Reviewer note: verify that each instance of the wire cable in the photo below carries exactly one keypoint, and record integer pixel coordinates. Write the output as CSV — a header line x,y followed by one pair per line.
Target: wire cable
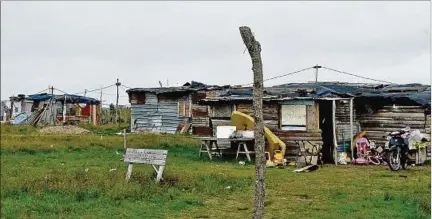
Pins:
x,y
97,89
355,75
126,86
284,75
60,91
41,91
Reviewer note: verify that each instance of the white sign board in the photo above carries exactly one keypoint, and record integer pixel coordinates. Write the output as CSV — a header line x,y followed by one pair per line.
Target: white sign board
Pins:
x,y
293,115
146,156
225,131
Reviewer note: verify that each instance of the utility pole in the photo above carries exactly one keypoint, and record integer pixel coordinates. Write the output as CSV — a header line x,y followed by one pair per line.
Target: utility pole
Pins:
x,y
85,92
52,113
117,109
254,48
316,67
100,108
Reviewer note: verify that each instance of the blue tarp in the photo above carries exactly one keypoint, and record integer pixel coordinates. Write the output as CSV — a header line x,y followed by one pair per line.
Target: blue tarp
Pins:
x,y
377,92
70,98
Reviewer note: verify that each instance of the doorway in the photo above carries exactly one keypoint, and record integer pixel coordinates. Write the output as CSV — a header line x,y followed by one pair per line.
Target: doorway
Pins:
x,y
326,126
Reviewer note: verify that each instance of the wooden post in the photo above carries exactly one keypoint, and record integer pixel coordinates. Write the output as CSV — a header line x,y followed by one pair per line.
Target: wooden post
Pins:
x,y
351,126
254,49
334,132
64,109
129,171
100,108
159,173
117,109
124,139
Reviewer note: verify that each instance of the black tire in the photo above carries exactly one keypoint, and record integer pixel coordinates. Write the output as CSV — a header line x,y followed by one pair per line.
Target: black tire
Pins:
x,y
404,162
374,161
394,163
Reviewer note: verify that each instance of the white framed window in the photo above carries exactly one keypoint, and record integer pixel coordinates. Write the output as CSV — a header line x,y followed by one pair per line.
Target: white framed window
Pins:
x,y
293,117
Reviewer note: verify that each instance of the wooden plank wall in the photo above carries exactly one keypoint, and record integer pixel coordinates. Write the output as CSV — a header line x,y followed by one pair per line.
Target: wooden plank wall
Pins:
x,y
343,126
270,114
200,118
289,138
390,118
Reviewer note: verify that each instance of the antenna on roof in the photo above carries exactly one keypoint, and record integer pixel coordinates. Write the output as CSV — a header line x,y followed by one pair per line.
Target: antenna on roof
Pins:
x,y
160,84
316,67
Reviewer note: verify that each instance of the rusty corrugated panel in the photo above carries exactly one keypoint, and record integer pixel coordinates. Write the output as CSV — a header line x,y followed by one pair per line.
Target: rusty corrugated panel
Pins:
x,y
199,111
155,118
201,131
200,121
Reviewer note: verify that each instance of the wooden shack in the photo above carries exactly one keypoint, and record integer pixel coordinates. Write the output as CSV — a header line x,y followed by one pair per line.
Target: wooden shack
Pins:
x,y
161,110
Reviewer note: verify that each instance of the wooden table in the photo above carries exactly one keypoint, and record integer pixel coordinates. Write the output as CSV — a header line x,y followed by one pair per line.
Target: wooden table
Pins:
x,y
207,144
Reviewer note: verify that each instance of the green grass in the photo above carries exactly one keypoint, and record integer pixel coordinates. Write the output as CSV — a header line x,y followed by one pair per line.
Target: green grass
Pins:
x,y
44,176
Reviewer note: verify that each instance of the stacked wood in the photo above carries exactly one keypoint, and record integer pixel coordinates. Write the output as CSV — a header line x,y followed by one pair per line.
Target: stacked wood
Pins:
x,y
290,138
389,119
201,131
199,111
272,124
200,122
219,111
270,111
343,112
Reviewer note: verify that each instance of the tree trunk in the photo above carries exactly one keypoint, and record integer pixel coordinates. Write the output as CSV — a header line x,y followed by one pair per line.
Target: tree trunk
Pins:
x,y
254,49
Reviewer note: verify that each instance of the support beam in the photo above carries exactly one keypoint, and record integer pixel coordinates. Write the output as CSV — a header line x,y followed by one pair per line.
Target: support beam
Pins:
x,y
334,132
352,126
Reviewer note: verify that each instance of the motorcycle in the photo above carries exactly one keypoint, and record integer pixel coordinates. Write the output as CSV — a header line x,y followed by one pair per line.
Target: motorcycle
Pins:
x,y
397,152
398,146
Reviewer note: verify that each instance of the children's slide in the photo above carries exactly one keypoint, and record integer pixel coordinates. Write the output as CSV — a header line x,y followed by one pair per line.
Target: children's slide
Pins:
x,y
245,122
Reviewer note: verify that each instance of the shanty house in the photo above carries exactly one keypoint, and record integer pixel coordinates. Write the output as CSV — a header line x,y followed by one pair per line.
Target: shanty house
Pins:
x,y
4,111
49,108
329,113
163,109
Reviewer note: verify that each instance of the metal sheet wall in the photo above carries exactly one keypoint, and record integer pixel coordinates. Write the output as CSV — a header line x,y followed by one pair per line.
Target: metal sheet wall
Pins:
x,y
155,117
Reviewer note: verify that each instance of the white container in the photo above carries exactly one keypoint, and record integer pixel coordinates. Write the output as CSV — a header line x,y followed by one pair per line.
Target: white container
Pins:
x,y
247,134
225,131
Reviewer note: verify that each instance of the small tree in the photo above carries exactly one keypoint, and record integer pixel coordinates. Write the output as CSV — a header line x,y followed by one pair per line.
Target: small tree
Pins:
x,y
254,49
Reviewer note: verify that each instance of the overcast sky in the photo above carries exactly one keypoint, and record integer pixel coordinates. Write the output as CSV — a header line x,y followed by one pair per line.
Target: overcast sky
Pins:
x,y
79,45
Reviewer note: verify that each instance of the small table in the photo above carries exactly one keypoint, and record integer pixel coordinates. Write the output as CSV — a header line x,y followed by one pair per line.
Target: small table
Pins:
x,y
208,142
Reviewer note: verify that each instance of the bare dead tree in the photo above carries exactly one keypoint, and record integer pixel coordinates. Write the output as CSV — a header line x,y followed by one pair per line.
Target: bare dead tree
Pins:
x,y
254,49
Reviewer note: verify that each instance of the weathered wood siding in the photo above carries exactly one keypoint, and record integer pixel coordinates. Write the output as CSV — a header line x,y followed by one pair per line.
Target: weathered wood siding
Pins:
x,y
389,118
343,126
289,138
200,119
270,114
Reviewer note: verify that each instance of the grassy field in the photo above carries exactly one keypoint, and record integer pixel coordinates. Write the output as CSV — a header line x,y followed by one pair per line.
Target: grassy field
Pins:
x,y
43,176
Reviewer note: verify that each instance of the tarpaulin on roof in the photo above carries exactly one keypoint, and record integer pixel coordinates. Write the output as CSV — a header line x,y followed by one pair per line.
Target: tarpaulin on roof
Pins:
x,y
317,91
187,87
70,98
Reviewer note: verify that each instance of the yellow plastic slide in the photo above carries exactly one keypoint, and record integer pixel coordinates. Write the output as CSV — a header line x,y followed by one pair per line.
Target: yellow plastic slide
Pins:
x,y
245,122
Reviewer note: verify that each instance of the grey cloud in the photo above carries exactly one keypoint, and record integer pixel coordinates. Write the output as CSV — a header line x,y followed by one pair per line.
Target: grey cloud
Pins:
x,y
78,45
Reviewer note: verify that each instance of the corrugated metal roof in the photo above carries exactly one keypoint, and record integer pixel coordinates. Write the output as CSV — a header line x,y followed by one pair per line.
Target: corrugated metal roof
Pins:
x,y
187,87
316,91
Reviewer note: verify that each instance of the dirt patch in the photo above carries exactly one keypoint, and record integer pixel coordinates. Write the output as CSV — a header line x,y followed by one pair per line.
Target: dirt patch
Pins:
x,y
69,129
